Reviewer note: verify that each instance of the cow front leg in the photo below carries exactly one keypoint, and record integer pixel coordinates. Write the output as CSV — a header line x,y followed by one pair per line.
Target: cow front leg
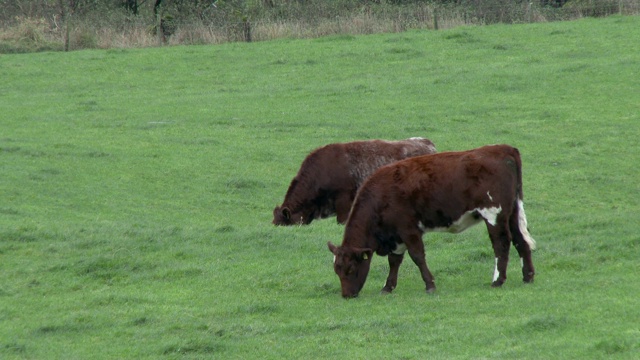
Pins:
x,y
392,280
416,251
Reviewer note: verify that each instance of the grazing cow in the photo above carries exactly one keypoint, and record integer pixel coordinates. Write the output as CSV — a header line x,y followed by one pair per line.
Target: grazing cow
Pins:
x,y
442,192
329,177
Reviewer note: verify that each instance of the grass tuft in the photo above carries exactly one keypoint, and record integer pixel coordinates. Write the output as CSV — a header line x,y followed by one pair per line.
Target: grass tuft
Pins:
x,y
546,323
613,346
13,348
195,348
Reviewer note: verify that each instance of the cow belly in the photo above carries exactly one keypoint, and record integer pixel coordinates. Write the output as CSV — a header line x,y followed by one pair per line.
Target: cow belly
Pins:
x,y
467,220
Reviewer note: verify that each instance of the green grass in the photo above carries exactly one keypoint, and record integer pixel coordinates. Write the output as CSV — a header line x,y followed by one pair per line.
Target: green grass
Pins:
x,y
136,191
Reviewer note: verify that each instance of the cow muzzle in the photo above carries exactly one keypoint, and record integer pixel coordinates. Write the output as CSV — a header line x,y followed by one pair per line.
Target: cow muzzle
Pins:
x,y
350,296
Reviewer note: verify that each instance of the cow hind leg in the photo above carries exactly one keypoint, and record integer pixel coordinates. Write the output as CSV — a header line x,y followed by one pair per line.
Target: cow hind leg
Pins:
x,y
500,240
522,241
392,280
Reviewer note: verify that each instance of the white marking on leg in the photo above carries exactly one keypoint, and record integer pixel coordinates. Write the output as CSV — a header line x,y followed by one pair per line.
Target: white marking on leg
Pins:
x,y
522,224
334,259
489,195
490,214
496,273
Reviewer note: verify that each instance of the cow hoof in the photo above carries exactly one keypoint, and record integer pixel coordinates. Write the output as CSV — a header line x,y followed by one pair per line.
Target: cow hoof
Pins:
x,y
431,290
497,283
386,290
528,278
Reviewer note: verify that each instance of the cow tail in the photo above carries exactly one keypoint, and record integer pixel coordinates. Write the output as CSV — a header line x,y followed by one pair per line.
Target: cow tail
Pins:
x,y
522,218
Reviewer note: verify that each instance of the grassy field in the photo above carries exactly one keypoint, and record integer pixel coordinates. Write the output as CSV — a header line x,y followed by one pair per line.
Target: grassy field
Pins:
x,y
136,191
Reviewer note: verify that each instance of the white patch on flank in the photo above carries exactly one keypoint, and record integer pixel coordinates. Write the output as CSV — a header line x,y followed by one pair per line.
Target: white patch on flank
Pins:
x,y
489,195
467,220
522,224
400,249
496,273
490,214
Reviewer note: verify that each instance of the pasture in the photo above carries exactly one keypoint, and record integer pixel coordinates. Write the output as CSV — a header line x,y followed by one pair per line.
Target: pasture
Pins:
x,y
137,189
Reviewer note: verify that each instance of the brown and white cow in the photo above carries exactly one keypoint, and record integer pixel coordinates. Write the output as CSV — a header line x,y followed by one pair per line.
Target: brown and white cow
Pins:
x,y
330,176
448,191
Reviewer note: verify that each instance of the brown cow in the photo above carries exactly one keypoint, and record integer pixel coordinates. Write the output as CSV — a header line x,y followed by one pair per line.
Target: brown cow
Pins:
x,y
442,192
329,177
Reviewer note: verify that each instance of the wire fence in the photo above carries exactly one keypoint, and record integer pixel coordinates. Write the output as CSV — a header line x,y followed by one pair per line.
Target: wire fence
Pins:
x,y
382,17
53,27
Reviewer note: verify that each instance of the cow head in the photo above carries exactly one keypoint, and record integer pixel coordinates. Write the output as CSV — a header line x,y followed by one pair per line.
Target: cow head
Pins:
x,y
352,267
282,215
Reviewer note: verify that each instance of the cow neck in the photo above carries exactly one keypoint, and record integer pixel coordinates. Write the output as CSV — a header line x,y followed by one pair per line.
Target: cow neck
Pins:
x,y
357,233
305,182
295,194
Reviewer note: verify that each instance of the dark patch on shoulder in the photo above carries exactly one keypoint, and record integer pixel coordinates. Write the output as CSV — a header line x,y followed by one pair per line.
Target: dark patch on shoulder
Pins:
x,y
443,219
387,241
438,218
477,171
324,203
397,175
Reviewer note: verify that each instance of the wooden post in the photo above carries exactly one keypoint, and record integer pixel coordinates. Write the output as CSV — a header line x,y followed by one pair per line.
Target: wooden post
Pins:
x,y
620,6
66,19
435,17
159,33
67,35
246,29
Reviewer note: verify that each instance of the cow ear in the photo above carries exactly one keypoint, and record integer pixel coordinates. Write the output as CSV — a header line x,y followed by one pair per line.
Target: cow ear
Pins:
x,y
286,213
364,254
332,247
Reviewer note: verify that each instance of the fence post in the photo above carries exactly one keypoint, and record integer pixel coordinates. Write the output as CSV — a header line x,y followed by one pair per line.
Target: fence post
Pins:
x,y
65,18
159,34
620,6
435,17
246,29
67,32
